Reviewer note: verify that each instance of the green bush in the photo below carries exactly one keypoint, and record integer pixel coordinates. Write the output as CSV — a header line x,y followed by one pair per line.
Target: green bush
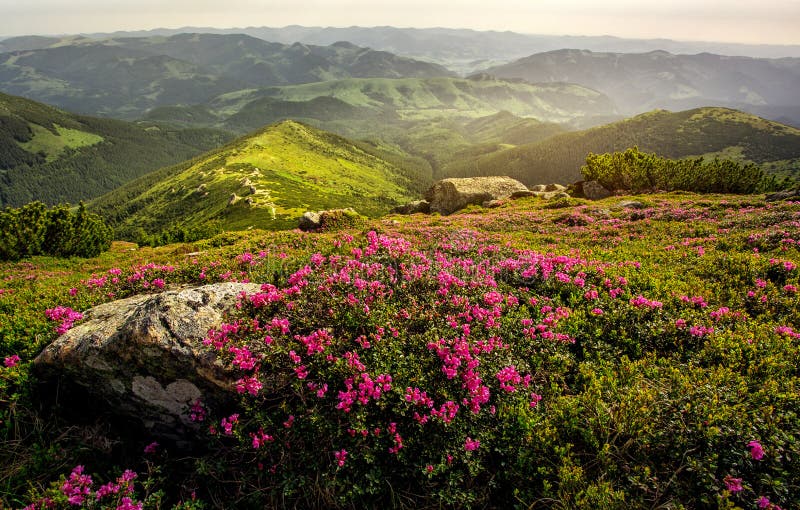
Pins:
x,y
639,171
35,230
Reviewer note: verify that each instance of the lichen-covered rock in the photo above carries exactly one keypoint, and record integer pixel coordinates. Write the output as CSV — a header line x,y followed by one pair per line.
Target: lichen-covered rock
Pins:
x,y
309,221
783,195
333,219
593,190
450,195
143,357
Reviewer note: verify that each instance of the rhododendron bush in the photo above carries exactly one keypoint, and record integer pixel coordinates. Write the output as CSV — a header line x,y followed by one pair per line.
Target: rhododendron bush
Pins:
x,y
505,358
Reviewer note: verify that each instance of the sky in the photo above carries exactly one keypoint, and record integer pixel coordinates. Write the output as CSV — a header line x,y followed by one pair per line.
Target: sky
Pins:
x,y
744,21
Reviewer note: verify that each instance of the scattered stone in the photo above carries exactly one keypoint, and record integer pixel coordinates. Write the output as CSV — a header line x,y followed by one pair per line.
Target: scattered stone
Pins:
x,y
631,204
593,190
332,219
523,194
450,195
310,220
142,358
233,199
539,188
417,206
783,195
554,187
551,195
492,204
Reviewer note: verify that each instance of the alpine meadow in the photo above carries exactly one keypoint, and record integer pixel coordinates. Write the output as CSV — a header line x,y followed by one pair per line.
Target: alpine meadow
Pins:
x,y
342,259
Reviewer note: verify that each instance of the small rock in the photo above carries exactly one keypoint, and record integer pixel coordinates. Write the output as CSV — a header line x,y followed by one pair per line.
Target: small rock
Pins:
x,y
555,187
593,190
309,221
523,194
417,206
551,195
539,188
492,204
783,195
631,204
233,199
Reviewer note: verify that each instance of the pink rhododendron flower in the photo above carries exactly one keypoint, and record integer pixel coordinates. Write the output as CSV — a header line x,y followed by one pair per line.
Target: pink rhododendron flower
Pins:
x,y
756,450
471,444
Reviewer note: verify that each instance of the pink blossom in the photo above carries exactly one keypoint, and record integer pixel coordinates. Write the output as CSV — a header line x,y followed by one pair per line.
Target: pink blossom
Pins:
x,y
341,456
471,444
11,361
151,448
756,450
733,484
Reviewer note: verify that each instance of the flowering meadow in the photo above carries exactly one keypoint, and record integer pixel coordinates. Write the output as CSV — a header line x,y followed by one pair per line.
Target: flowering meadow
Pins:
x,y
565,354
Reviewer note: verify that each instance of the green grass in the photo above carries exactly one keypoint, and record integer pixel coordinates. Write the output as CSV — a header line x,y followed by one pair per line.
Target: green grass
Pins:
x,y
53,145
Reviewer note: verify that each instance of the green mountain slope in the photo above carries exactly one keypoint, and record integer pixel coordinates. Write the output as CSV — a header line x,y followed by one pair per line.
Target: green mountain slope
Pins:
x,y
639,82
266,180
50,155
704,131
125,77
437,119
418,99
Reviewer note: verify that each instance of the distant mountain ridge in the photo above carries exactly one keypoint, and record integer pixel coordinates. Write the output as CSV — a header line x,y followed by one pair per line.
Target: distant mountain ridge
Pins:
x,y
462,48
708,132
640,82
125,77
53,156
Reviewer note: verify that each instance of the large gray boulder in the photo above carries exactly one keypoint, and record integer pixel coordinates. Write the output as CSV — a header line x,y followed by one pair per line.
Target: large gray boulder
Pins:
x,y
143,358
450,195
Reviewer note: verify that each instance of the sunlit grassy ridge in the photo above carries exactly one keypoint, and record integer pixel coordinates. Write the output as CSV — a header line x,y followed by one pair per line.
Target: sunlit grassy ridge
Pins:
x,y
699,132
276,174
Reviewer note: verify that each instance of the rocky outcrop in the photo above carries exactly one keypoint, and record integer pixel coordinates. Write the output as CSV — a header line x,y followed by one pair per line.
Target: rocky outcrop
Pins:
x,y
450,195
143,357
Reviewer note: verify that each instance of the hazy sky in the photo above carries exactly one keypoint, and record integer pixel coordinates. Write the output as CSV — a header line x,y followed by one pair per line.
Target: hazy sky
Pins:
x,y
750,21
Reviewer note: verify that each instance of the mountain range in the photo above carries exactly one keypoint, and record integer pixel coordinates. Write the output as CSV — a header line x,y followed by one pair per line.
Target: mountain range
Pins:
x,y
462,50
125,77
640,82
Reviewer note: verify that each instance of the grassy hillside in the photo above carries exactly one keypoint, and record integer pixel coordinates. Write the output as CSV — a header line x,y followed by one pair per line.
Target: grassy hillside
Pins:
x,y
423,99
50,155
704,131
267,180
639,82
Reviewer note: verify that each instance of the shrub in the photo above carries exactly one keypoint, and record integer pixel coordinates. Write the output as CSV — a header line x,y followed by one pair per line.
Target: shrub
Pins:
x,y
34,230
639,171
